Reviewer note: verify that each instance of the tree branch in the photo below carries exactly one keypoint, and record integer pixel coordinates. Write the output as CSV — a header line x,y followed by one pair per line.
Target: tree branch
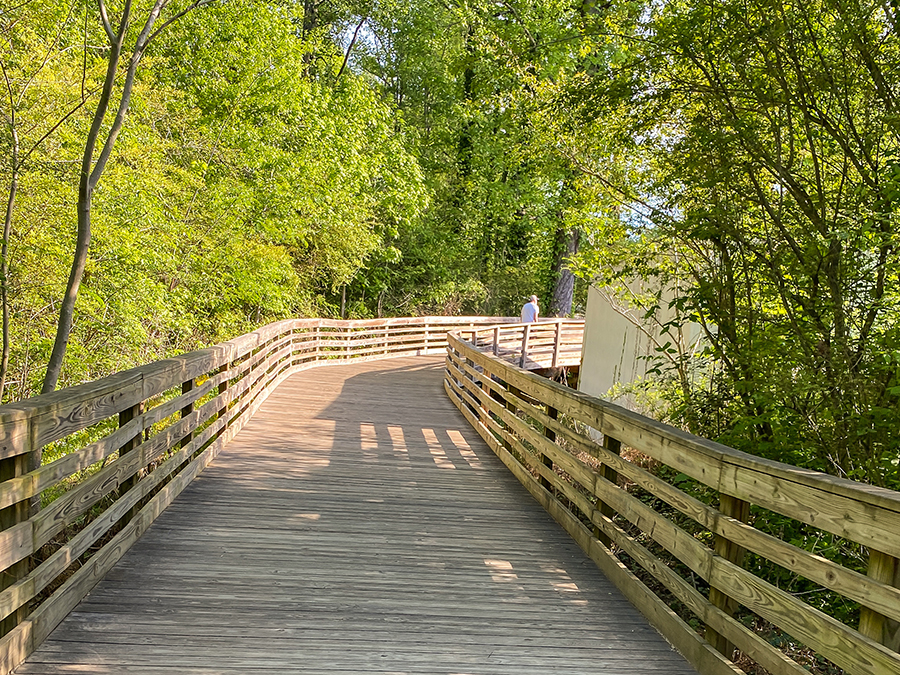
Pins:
x,y
104,17
350,47
127,87
171,20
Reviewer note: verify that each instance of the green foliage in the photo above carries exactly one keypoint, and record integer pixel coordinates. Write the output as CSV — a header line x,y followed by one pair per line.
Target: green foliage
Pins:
x,y
466,79
242,189
258,177
756,176
732,167
753,173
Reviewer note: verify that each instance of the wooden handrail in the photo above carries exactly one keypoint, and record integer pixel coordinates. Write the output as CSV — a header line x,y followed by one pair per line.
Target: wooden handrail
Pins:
x,y
513,410
548,343
117,451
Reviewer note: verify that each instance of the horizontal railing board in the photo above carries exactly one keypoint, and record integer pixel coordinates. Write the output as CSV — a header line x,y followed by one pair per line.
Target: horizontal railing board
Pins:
x,y
33,483
44,574
771,658
847,582
57,415
851,584
499,399
871,516
688,643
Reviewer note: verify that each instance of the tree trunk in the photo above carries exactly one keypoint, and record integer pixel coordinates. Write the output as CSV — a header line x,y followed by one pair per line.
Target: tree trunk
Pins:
x,y
83,238
310,16
464,142
4,253
565,246
90,171
67,309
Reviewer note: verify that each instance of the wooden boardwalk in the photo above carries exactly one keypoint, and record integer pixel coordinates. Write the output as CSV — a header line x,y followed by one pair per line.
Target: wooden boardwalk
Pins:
x,y
356,525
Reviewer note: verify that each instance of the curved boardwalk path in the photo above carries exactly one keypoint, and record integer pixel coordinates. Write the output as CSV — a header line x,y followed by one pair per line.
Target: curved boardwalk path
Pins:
x,y
356,525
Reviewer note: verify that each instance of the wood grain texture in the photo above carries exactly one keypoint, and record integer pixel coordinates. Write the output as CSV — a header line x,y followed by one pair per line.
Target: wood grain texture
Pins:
x,y
856,511
687,641
357,524
863,513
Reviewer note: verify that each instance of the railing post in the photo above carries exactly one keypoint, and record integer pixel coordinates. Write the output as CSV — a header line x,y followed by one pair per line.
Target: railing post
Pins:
x,y
732,552
223,387
556,341
496,340
125,417
525,333
614,446
317,340
187,387
511,407
553,414
12,515
885,569
459,382
471,376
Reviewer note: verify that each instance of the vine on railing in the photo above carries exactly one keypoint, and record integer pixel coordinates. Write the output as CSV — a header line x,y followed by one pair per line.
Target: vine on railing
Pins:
x,y
85,470
666,548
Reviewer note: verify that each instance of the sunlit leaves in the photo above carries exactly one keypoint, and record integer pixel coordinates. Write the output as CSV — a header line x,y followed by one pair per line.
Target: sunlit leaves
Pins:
x,y
241,188
755,141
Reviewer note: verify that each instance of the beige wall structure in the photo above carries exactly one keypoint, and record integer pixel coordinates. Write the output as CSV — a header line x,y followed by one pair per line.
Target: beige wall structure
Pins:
x,y
618,340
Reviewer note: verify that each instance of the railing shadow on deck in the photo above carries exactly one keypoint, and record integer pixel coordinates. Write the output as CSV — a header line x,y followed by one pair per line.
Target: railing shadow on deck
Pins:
x,y
547,434
85,470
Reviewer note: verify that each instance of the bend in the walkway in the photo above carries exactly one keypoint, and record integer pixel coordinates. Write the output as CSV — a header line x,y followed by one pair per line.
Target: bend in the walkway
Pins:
x,y
357,524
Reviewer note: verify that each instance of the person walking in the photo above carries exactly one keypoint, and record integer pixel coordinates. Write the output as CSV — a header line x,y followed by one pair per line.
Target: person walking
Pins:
x,y
530,310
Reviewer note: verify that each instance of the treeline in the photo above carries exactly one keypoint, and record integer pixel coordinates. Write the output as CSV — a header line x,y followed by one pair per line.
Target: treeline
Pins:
x,y
738,160
239,189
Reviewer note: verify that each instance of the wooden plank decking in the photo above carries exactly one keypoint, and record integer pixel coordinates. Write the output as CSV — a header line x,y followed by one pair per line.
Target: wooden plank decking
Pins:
x,y
356,525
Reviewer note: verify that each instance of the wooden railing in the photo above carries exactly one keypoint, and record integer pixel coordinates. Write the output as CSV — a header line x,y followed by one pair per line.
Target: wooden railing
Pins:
x,y
549,343
85,470
584,460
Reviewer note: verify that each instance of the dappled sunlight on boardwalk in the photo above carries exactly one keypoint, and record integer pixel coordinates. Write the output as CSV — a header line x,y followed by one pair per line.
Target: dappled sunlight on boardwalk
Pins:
x,y
356,525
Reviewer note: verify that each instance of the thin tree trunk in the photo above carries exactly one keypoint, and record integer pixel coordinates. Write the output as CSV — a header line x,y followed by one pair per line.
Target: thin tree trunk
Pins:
x,y
350,48
90,176
464,143
85,193
17,161
310,16
4,253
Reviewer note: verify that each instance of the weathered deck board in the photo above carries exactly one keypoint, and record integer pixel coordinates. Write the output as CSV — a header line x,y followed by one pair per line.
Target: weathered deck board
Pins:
x,y
356,525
